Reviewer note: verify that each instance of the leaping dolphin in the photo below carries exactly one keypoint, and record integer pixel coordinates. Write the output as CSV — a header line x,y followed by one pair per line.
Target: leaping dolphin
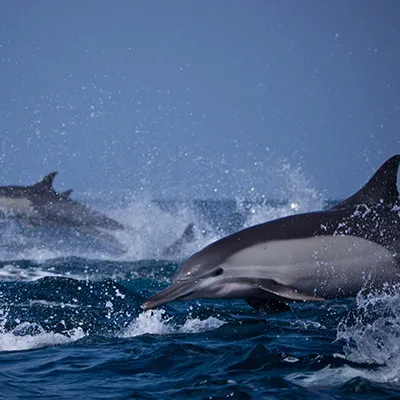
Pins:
x,y
40,204
18,201
305,257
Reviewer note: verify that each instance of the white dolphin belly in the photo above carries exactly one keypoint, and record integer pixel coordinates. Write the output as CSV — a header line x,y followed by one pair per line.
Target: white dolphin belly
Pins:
x,y
17,206
325,266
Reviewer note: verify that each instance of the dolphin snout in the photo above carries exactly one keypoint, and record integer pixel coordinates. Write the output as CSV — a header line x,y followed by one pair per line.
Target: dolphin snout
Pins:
x,y
177,291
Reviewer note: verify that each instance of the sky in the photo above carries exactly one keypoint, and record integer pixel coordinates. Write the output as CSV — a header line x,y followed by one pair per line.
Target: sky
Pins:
x,y
198,99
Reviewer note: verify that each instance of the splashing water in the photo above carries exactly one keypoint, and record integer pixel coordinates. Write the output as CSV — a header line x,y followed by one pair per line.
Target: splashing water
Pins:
x,y
372,333
155,322
154,225
371,337
297,195
27,336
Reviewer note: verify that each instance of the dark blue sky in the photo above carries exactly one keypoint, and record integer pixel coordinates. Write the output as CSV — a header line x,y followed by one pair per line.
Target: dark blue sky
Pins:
x,y
185,97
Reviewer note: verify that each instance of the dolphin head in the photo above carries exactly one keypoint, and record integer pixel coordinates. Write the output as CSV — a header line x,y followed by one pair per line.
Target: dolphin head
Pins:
x,y
206,275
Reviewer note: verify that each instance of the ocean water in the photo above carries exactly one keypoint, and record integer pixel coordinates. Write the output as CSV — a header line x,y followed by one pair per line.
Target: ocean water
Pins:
x,y
72,327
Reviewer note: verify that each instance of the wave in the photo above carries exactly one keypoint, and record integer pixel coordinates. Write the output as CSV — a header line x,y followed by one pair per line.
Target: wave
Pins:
x,y
370,336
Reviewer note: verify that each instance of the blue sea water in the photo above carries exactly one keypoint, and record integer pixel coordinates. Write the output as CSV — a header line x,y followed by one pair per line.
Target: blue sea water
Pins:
x,y
72,327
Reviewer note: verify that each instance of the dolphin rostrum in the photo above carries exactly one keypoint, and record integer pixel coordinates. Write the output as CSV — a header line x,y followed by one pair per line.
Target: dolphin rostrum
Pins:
x,y
305,257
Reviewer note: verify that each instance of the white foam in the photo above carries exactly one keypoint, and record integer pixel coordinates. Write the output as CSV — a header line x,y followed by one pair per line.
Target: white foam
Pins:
x,y
149,322
11,272
371,335
337,376
156,322
197,325
54,304
304,325
27,336
326,377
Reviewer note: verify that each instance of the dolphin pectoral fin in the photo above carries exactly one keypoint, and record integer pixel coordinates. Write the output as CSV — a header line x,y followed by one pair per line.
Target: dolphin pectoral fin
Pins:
x,y
268,306
286,292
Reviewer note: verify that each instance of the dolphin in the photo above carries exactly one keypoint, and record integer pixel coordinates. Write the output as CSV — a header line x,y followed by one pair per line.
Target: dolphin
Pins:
x,y
305,257
18,201
40,204
188,236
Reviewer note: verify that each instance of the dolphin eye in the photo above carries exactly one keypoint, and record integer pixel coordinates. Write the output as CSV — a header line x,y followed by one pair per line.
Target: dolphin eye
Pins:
x,y
218,272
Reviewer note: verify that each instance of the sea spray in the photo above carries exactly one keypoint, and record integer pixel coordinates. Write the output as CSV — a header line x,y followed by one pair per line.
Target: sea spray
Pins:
x,y
26,336
371,333
157,322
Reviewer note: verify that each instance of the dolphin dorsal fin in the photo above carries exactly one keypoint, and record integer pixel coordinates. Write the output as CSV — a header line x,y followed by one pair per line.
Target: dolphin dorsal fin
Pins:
x,y
382,187
66,194
188,234
46,183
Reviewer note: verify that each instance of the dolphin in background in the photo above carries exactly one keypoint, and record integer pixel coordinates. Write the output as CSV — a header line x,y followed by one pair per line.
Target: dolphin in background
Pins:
x,y
305,257
17,201
188,236
39,204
